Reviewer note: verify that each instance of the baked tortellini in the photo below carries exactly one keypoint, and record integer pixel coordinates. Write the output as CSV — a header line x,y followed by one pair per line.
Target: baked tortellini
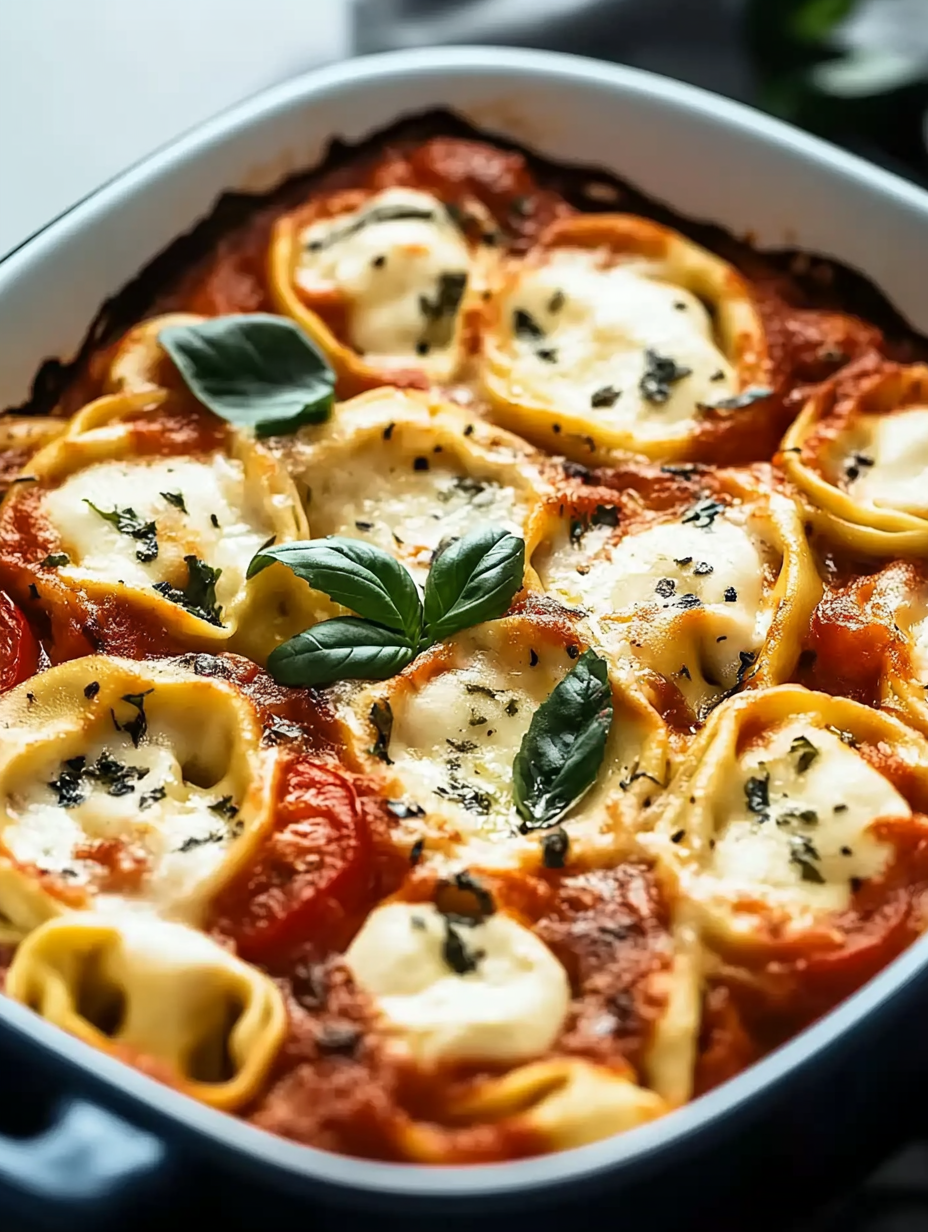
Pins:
x,y
147,513
444,734
408,473
386,282
706,591
785,811
617,335
127,784
859,454
145,988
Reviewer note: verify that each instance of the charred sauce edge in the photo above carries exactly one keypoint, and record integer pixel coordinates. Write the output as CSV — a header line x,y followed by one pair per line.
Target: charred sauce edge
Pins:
x,y
847,289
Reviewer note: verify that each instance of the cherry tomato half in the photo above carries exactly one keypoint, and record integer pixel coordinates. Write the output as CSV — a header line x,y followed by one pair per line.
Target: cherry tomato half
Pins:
x,y
314,868
19,652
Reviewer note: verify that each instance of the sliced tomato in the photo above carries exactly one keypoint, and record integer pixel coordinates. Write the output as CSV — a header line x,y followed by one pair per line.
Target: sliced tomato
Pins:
x,y
19,651
311,872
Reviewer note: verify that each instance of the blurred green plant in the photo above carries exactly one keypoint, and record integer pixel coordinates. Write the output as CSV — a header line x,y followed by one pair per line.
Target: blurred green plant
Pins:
x,y
852,70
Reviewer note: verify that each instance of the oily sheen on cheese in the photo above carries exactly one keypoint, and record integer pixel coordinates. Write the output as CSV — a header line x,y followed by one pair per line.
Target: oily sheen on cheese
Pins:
x,y
391,259
136,797
409,505
456,735
218,523
794,826
699,586
888,467
598,319
509,1008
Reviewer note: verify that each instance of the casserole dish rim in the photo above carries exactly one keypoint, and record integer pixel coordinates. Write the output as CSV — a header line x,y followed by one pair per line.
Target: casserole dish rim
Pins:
x,y
375,1179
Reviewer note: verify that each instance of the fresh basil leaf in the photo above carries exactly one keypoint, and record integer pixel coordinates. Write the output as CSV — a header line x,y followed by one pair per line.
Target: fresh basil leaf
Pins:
x,y
342,649
472,580
355,574
562,751
256,371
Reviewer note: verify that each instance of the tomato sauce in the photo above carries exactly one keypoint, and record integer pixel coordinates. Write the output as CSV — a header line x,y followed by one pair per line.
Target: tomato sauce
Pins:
x,y
329,857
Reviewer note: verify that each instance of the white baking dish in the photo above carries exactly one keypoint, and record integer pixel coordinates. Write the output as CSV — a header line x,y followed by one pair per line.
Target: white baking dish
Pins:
x,y
709,159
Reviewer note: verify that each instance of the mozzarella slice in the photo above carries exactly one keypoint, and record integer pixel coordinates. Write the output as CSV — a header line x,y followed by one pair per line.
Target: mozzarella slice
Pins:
x,y
218,523
123,818
159,989
456,735
794,827
402,265
888,466
698,587
596,321
508,1005
408,505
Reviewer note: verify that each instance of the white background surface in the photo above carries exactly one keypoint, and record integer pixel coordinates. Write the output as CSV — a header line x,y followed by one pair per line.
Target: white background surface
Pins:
x,y
87,87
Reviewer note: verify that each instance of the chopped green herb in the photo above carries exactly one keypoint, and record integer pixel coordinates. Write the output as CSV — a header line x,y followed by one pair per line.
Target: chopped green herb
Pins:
x,y
554,847
199,595
136,727
804,855
54,559
415,851
461,746
703,513
381,715
525,327
176,499
439,312
128,522
224,807
807,753
660,373
482,689
757,794
455,951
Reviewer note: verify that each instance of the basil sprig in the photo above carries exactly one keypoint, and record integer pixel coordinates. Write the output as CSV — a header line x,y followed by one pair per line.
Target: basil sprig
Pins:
x,y
255,370
562,751
474,579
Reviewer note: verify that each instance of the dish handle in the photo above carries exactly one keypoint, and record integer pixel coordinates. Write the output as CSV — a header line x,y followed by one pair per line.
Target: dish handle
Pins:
x,y
85,1169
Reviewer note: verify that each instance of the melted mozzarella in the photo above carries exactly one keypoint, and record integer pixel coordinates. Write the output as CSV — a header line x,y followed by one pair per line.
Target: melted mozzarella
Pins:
x,y
889,465
605,318
132,802
456,736
213,487
405,511
391,269
509,1008
656,577
802,850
